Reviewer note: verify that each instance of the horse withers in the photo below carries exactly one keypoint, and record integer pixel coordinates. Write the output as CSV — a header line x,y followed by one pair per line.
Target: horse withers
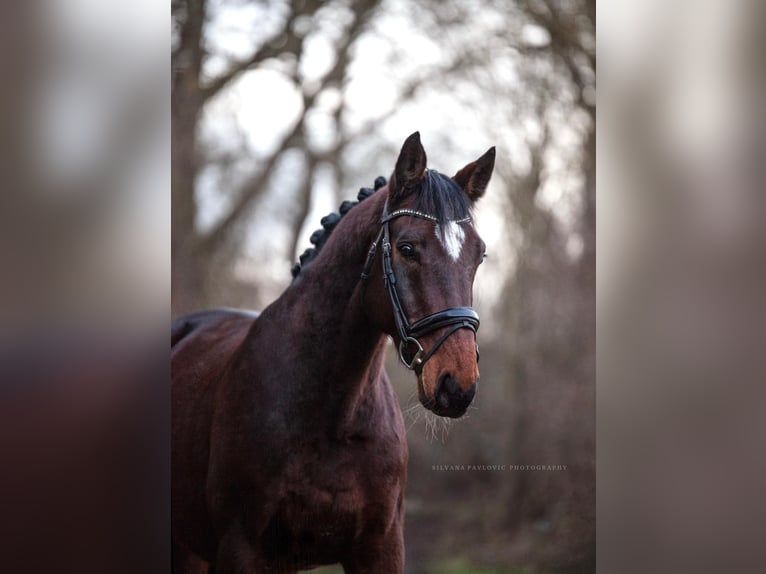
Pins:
x,y
289,448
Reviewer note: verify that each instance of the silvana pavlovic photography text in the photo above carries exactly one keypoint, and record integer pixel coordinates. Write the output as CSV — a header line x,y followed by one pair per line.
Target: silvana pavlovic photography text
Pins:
x,y
496,467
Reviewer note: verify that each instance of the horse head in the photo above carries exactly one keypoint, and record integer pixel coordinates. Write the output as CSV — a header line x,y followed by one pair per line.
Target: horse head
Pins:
x,y
421,294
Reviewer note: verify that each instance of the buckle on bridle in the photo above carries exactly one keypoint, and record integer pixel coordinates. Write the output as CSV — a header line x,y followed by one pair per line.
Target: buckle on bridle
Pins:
x,y
416,360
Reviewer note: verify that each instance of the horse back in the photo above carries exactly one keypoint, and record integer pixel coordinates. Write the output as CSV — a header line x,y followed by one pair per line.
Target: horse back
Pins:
x,y
198,321
202,346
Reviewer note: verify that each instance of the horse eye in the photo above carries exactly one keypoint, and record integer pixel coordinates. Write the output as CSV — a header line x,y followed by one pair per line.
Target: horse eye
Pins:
x,y
407,250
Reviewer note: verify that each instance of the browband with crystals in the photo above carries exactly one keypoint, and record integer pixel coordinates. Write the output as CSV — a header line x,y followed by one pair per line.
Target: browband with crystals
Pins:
x,y
420,214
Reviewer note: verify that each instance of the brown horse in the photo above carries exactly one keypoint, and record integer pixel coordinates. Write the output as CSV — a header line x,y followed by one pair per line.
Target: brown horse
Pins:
x,y
289,449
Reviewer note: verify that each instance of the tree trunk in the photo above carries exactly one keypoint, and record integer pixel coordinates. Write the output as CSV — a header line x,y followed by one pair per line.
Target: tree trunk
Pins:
x,y
551,310
186,103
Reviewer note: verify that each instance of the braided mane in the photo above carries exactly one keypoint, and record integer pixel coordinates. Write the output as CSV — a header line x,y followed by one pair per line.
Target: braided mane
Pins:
x,y
319,237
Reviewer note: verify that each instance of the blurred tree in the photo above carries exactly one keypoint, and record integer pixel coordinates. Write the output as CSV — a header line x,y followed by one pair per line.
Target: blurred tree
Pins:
x,y
194,252
551,330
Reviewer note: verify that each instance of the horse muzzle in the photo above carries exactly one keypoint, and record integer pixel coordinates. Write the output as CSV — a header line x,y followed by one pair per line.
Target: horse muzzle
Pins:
x,y
450,398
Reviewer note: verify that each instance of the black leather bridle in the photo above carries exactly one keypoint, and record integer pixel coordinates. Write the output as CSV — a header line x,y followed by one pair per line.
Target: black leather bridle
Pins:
x,y
410,333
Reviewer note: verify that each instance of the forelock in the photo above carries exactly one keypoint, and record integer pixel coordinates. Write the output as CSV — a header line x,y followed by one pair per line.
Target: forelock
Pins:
x,y
441,197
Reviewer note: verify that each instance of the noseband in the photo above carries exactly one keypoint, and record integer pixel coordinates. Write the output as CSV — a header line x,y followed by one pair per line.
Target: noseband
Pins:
x,y
410,333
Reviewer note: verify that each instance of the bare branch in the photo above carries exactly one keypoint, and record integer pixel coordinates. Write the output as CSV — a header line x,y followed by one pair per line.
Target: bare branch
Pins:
x,y
565,33
256,185
304,202
286,41
252,189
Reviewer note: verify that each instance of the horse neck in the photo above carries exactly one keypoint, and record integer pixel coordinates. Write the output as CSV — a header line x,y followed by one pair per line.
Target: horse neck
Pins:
x,y
340,347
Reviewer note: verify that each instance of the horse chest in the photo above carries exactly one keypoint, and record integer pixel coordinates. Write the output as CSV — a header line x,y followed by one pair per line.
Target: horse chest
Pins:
x,y
328,498
340,478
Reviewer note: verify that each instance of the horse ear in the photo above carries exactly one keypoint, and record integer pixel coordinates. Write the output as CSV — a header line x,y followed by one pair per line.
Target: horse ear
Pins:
x,y
410,167
474,177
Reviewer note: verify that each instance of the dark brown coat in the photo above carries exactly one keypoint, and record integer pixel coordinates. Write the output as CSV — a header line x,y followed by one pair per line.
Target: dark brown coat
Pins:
x,y
289,449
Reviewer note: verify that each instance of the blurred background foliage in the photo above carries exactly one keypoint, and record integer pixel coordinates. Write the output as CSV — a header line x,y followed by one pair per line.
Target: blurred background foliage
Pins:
x,y
280,110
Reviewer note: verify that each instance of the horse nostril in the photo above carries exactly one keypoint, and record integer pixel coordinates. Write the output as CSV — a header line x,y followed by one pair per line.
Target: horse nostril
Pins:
x,y
448,384
443,390
447,389
450,398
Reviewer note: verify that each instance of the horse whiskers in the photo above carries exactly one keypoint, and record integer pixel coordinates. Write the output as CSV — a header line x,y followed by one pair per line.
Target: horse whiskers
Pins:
x,y
412,404
446,424
436,426
413,413
414,421
412,400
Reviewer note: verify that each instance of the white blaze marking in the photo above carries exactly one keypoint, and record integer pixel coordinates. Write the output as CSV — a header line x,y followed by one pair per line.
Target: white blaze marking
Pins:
x,y
451,236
